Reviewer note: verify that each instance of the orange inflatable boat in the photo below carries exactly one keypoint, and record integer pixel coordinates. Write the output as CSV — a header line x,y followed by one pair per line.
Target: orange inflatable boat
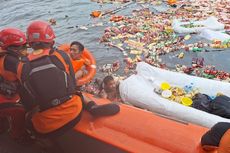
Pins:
x,y
134,130
91,68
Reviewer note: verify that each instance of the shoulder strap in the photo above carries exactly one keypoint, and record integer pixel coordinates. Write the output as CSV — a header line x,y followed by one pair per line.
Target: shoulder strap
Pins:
x,y
2,58
19,70
21,63
60,57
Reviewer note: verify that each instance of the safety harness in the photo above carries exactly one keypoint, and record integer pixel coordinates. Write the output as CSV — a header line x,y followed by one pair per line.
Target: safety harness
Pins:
x,y
48,84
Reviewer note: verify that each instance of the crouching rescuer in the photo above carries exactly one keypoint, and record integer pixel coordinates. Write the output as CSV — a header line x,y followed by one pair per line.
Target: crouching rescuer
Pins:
x,y
48,79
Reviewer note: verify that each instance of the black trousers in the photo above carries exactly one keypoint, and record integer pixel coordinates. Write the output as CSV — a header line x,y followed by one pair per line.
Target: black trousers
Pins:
x,y
214,135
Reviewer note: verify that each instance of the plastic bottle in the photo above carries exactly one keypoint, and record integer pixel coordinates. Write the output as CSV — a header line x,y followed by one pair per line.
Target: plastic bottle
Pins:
x,y
196,49
156,85
186,88
189,88
212,97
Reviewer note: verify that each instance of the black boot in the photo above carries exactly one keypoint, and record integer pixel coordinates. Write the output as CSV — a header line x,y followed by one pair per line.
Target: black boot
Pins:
x,y
102,110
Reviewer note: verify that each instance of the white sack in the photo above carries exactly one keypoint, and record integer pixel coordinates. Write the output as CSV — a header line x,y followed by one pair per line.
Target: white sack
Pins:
x,y
139,91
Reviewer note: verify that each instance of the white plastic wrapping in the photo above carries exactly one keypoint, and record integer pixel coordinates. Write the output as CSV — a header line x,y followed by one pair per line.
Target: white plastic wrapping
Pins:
x,y
210,23
211,35
139,91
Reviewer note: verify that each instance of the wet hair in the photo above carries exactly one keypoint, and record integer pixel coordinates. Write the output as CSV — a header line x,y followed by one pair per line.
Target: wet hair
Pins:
x,y
107,79
79,45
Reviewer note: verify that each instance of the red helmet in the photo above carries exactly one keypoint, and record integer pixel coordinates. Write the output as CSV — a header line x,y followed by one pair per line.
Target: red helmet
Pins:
x,y
40,31
11,36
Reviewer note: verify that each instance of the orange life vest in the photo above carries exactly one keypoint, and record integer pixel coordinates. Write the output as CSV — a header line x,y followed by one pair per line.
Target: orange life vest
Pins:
x,y
57,116
7,75
87,59
77,64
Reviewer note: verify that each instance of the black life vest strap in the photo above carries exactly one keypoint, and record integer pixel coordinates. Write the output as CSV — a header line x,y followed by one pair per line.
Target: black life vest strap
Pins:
x,y
79,93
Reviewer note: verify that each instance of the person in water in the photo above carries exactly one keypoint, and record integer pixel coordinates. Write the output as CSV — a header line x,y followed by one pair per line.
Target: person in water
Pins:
x,y
110,89
79,62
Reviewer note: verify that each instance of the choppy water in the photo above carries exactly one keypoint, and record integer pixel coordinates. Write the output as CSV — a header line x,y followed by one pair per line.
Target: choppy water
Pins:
x,y
67,13
72,13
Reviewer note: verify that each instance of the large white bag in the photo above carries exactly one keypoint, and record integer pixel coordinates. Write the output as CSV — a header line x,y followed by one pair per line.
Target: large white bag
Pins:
x,y
210,23
139,91
211,35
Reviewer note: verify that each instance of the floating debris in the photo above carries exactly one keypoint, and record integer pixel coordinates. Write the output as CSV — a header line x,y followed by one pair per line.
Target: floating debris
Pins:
x,y
110,68
147,34
52,21
181,55
96,14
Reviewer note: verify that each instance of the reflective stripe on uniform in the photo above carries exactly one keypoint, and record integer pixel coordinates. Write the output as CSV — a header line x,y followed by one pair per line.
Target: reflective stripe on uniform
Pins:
x,y
40,68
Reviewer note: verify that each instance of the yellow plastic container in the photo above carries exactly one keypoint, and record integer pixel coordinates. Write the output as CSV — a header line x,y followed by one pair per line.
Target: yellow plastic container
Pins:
x,y
165,86
186,101
219,94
